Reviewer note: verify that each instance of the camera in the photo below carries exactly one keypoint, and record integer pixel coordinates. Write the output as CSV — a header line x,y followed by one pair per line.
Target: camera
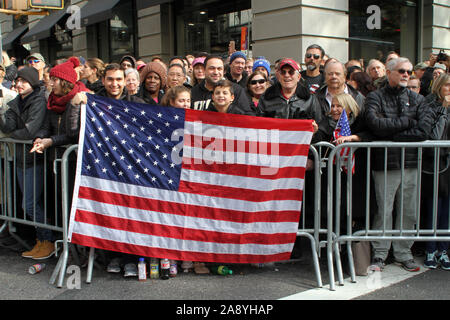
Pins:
x,y
442,56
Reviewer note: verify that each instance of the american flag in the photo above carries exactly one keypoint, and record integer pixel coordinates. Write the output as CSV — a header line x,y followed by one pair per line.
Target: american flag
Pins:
x,y
189,185
343,129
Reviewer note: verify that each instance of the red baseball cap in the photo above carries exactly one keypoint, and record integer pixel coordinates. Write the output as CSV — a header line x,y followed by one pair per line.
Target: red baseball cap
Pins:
x,y
289,62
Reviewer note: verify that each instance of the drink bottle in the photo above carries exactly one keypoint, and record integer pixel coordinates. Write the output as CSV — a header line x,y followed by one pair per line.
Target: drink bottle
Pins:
x,y
222,270
142,271
36,268
165,269
173,268
154,268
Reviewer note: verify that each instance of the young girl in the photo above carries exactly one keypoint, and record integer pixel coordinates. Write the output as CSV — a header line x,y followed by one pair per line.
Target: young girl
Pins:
x,y
178,97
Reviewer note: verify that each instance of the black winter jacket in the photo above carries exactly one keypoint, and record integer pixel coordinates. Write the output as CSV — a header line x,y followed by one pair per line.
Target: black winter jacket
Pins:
x,y
392,114
201,98
302,105
22,120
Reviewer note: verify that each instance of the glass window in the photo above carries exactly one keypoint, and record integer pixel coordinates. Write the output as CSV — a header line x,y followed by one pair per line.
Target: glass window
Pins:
x,y
121,33
210,25
389,26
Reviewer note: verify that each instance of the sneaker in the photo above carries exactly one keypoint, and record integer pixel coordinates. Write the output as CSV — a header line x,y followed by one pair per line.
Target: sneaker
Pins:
x,y
377,264
32,252
409,265
431,260
114,266
444,261
130,270
46,250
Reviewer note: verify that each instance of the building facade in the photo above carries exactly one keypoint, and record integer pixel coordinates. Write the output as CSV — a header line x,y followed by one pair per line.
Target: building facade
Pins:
x,y
346,29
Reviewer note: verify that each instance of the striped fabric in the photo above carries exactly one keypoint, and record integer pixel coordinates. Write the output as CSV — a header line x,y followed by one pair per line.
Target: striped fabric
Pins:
x,y
188,185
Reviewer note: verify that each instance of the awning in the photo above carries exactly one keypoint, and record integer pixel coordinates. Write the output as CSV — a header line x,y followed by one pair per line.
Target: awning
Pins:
x,y
7,42
43,28
142,4
97,11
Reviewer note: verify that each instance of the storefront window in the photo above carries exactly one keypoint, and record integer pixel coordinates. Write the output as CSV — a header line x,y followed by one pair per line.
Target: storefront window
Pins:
x,y
121,33
209,25
382,26
63,43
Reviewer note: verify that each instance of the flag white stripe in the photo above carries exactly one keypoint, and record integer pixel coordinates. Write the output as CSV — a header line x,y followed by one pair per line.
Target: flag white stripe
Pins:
x,y
189,198
245,134
182,245
197,155
174,220
226,180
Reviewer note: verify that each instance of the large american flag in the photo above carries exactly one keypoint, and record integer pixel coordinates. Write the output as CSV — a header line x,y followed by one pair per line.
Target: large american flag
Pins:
x,y
343,129
190,185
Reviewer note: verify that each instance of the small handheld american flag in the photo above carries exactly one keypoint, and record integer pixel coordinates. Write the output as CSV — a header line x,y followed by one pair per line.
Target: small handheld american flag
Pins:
x,y
343,130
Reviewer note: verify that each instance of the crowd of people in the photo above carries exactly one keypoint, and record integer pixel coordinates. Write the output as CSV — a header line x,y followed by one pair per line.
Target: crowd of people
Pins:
x,y
388,100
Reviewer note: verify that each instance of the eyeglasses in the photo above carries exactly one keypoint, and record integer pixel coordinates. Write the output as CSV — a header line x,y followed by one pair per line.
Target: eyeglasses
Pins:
x,y
291,72
402,71
260,81
33,61
309,55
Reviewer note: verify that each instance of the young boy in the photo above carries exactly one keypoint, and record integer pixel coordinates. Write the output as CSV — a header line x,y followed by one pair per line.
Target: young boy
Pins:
x,y
222,97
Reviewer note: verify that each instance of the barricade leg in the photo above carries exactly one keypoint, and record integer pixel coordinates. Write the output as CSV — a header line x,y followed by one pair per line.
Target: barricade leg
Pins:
x,y
350,261
90,265
315,256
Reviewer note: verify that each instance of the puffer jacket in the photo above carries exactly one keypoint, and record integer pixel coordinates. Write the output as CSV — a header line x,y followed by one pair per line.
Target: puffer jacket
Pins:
x,y
302,105
437,129
392,114
22,120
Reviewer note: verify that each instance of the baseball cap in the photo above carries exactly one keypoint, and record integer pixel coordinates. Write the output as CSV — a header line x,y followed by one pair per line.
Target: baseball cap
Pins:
x,y
420,66
289,62
37,56
200,60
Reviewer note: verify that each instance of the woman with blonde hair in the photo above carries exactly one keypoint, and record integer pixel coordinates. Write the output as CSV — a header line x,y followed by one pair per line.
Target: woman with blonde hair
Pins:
x,y
91,74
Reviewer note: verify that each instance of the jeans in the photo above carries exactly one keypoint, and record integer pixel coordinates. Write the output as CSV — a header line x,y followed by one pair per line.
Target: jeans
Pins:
x,y
32,203
442,222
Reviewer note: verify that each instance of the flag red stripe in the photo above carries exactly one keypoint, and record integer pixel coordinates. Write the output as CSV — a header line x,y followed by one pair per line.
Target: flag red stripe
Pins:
x,y
181,233
244,170
186,209
265,148
174,254
239,193
250,122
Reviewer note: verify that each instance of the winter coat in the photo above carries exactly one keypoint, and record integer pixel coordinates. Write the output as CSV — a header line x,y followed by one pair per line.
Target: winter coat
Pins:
x,y
201,98
325,106
23,120
392,114
302,105
438,129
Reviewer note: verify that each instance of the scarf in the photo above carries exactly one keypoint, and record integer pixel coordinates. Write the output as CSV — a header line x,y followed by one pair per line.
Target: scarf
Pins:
x,y
58,104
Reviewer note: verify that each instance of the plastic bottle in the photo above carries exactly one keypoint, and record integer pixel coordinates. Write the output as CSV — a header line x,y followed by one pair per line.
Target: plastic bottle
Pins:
x,y
165,269
222,270
173,268
142,270
36,268
154,268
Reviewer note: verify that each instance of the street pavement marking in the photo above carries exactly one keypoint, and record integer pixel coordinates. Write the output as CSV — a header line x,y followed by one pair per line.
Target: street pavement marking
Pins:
x,y
391,274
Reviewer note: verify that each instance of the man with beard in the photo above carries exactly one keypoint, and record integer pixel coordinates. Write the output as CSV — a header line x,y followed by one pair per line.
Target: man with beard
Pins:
x,y
313,76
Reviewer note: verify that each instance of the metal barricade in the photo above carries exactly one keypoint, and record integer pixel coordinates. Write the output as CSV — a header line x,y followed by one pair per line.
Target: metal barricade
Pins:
x,y
13,203
385,233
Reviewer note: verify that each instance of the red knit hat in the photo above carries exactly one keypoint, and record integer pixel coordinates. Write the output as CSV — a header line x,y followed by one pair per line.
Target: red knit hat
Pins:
x,y
66,70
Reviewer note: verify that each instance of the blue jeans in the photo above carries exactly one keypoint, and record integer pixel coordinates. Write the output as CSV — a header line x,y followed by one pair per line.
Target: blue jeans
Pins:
x,y
442,222
32,197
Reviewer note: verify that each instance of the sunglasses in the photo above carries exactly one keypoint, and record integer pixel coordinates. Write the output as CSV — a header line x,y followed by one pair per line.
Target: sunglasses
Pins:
x,y
33,61
260,81
309,55
402,71
291,72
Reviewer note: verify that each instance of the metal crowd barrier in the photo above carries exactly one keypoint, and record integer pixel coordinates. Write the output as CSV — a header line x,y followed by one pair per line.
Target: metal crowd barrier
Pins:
x,y
12,211
418,233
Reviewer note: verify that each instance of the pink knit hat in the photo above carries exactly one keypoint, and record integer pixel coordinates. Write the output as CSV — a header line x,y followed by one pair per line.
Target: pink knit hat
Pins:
x,y
66,70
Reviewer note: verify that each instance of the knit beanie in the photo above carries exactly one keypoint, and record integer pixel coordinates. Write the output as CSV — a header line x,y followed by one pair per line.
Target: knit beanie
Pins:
x,y
237,54
30,74
66,70
262,63
158,69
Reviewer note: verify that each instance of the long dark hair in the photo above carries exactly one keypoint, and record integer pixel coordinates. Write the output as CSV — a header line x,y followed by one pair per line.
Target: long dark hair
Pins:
x,y
364,82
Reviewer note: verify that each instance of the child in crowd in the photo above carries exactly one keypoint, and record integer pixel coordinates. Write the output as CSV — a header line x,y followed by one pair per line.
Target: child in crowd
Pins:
x,y
178,97
222,97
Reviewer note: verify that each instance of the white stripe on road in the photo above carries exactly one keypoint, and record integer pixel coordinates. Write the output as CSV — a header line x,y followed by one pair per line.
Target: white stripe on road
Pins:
x,y
391,274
